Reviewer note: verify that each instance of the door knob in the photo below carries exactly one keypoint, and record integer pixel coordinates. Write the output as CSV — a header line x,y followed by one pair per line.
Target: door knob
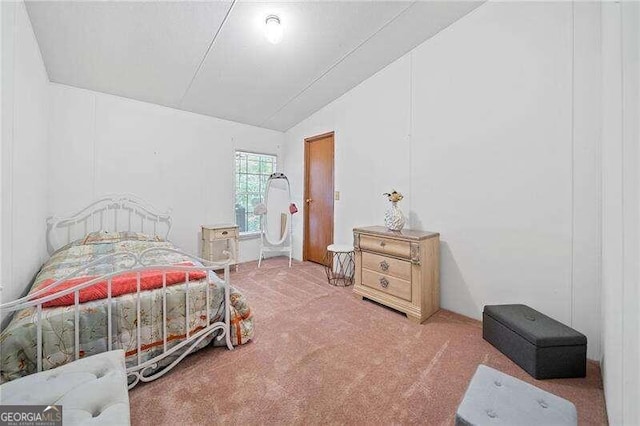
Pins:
x,y
308,200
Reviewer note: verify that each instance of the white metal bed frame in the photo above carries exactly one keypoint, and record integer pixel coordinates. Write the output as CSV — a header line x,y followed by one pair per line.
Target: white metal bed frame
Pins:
x,y
119,213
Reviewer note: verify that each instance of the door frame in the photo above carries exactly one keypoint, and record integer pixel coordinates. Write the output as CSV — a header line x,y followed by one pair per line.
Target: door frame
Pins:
x,y
307,141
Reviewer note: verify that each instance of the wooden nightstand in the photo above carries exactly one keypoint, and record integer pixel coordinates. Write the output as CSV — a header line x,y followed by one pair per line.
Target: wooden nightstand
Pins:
x,y
218,238
398,269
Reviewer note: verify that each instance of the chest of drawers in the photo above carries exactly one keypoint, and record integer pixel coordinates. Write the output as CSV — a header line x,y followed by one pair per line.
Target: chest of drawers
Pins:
x,y
398,269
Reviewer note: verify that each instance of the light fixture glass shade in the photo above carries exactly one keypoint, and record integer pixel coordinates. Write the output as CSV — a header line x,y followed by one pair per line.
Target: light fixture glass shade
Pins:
x,y
273,29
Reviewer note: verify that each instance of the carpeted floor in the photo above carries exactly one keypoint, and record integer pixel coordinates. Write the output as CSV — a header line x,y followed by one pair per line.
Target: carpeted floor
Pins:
x,y
322,356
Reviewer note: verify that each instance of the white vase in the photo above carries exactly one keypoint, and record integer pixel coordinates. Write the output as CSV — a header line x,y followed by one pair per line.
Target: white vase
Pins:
x,y
393,217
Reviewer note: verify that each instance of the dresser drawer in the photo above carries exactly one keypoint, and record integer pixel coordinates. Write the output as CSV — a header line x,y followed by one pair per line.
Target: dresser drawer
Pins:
x,y
387,265
387,284
385,246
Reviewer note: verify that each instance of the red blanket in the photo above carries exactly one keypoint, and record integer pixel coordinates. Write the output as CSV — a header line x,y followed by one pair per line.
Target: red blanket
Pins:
x,y
121,284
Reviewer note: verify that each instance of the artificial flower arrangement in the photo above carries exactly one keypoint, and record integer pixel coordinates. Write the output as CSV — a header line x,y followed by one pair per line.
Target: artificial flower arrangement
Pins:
x,y
394,196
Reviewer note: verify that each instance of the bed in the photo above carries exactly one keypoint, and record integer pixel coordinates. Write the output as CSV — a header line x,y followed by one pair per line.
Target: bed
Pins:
x,y
115,281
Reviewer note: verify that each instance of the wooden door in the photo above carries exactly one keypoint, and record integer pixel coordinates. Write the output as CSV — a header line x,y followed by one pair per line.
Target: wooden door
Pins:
x,y
318,194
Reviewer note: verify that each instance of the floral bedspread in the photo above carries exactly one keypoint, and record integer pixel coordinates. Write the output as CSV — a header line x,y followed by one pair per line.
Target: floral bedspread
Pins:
x,y
18,356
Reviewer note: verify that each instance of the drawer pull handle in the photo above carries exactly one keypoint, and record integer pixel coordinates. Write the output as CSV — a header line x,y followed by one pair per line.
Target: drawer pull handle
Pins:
x,y
225,232
384,282
382,244
384,265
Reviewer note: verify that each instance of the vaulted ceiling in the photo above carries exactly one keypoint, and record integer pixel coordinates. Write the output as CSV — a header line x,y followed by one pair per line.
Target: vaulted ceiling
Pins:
x,y
212,57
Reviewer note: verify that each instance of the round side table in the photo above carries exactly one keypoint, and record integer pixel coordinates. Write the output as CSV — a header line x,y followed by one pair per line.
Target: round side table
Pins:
x,y
339,264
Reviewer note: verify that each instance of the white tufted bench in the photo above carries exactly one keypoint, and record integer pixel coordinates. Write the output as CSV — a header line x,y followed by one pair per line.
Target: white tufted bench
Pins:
x,y
495,398
92,390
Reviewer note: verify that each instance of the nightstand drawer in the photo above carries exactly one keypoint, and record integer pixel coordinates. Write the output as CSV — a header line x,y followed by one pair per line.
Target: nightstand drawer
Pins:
x,y
387,265
385,246
387,284
226,233
219,234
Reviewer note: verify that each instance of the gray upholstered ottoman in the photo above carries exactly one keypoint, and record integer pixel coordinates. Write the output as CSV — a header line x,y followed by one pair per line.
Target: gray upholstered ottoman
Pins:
x,y
495,398
92,390
542,346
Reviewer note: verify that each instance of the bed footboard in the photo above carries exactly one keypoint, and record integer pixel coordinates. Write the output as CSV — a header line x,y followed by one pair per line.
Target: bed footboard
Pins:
x,y
171,350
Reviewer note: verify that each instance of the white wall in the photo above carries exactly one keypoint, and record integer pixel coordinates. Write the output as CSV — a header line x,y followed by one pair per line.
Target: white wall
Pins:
x,y
372,150
104,144
586,172
620,211
477,128
25,99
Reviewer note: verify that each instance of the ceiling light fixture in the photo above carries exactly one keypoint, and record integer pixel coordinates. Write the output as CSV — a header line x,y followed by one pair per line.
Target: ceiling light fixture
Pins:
x,y
273,29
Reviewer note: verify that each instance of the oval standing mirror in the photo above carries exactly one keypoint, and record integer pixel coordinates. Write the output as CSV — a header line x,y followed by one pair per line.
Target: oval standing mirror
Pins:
x,y
276,216
277,200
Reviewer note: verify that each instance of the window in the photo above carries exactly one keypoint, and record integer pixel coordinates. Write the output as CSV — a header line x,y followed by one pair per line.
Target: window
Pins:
x,y
252,172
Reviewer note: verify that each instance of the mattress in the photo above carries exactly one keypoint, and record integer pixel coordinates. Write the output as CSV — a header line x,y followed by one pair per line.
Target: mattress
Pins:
x,y
18,356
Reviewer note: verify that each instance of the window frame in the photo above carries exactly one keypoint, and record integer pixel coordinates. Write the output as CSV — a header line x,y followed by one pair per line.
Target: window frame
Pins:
x,y
244,235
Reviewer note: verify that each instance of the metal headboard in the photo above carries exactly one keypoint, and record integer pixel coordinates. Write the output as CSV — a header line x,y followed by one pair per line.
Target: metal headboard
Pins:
x,y
113,213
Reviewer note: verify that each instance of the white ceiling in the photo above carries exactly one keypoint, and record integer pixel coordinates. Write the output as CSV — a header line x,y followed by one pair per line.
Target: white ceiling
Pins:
x,y
212,57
